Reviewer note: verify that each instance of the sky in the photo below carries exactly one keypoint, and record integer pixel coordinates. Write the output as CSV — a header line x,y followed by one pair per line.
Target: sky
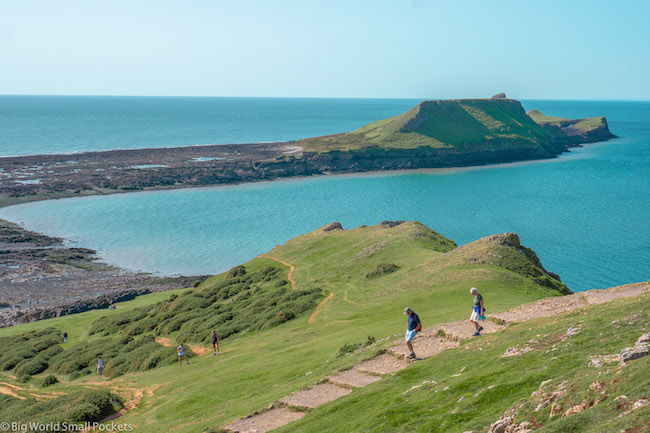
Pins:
x,y
577,49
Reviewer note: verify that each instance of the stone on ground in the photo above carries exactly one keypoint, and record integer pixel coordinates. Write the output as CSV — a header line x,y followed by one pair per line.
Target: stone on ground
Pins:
x,y
382,364
316,396
353,378
265,421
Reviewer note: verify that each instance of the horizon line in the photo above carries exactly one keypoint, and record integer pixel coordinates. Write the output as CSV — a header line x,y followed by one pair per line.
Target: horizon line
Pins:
x,y
307,97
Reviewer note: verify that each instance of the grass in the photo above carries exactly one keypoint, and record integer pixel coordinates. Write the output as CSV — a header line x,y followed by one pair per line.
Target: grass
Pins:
x,y
584,125
473,385
467,124
260,364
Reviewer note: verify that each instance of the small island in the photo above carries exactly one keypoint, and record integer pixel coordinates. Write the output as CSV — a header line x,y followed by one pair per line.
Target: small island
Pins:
x,y
443,133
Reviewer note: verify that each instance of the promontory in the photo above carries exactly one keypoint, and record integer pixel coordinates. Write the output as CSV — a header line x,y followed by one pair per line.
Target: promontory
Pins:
x,y
443,133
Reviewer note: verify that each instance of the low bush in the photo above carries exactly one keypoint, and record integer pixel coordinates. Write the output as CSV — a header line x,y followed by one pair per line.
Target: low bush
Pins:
x,y
351,347
85,405
383,269
29,351
49,380
31,367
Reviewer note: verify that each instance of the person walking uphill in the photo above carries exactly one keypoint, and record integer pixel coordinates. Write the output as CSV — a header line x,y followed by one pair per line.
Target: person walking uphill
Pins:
x,y
181,355
215,342
414,326
478,311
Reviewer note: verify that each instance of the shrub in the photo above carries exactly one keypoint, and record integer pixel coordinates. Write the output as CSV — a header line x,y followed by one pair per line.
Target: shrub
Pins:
x,y
31,367
237,271
22,378
382,269
50,380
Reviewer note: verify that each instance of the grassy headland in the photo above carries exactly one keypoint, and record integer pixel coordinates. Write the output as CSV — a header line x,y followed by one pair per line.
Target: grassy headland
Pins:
x,y
445,133
281,341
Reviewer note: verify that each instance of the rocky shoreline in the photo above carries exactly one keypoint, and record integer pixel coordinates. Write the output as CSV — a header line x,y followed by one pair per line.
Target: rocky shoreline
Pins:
x,y
41,277
41,177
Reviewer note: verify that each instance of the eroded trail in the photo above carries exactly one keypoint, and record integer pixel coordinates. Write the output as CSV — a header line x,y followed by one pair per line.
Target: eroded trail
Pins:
x,y
291,268
199,350
319,308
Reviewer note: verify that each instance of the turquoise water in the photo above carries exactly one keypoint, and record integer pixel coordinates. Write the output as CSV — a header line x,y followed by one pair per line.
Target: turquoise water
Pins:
x,y
34,125
586,213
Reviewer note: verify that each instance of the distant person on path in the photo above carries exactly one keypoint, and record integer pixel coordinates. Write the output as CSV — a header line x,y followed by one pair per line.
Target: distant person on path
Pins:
x,y
215,342
65,336
478,311
181,355
414,326
100,366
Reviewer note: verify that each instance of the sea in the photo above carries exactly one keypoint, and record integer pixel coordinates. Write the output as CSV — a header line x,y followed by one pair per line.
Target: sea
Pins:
x,y
585,213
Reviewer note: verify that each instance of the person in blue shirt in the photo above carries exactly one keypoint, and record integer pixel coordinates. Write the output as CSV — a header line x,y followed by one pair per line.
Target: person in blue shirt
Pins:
x,y
478,311
414,326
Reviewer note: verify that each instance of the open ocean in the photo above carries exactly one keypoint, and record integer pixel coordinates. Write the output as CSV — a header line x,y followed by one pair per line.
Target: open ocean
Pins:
x,y
586,213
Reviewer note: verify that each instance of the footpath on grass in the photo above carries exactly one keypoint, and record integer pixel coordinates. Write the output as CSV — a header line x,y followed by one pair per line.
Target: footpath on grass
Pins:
x,y
428,343
291,268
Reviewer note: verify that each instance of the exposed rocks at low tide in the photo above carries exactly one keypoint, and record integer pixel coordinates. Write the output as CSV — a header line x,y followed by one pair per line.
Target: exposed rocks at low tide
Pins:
x,y
41,277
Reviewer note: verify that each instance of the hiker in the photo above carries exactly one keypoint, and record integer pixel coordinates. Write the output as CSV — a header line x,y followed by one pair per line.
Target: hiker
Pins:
x,y
181,355
414,326
65,336
478,311
100,366
215,343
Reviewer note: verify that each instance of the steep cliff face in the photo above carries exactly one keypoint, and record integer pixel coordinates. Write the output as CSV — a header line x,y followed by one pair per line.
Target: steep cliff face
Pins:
x,y
449,133
576,131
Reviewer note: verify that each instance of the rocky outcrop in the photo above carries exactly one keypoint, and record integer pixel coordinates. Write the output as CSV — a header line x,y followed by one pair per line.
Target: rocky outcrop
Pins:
x,y
333,226
100,302
499,96
639,350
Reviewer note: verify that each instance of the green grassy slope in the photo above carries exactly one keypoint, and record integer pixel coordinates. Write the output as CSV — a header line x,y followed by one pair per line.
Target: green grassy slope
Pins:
x,y
262,363
470,387
583,125
466,124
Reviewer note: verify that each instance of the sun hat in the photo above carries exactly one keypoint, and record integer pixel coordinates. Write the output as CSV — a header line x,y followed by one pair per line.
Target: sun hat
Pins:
x,y
473,290
407,310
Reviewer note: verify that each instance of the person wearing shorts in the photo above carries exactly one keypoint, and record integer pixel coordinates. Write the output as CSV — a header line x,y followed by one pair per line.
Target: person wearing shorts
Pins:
x,y
215,342
413,327
181,355
100,367
478,310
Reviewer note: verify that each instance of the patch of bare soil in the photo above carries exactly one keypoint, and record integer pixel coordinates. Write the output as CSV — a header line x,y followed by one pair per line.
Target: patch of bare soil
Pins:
x,y
316,396
382,364
319,308
353,378
265,421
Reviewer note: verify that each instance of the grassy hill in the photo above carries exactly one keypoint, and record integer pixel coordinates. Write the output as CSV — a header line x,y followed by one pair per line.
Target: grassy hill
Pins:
x,y
460,123
309,308
585,126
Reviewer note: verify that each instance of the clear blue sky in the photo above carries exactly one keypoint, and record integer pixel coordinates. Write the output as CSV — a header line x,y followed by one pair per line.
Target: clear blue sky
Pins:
x,y
569,49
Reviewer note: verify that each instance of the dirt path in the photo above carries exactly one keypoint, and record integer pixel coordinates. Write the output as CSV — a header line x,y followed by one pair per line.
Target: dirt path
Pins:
x,y
7,389
12,390
428,343
345,298
319,308
291,269
133,397
199,350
